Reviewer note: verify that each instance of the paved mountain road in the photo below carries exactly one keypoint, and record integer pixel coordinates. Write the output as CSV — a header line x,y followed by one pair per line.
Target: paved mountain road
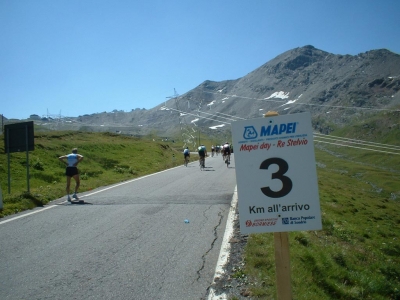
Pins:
x,y
131,243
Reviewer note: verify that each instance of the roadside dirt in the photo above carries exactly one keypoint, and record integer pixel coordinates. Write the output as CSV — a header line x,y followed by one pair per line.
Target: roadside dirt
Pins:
x,y
233,283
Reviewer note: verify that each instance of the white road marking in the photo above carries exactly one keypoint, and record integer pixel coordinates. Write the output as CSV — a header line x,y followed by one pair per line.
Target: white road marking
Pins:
x,y
225,248
28,214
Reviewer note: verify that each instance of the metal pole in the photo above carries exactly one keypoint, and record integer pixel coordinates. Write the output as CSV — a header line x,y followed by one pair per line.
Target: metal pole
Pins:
x,y
8,160
27,157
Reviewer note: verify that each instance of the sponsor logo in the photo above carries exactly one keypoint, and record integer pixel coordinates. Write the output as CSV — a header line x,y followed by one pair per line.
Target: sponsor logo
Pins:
x,y
250,132
297,220
261,222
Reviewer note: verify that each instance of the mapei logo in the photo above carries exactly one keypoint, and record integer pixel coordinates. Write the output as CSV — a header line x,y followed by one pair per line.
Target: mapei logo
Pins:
x,y
287,128
250,133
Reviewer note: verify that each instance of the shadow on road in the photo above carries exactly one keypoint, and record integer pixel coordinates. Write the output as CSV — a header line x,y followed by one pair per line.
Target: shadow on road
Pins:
x,y
76,203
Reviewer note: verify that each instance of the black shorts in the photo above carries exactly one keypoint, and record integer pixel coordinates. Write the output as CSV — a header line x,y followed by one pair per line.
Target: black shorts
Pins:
x,y
202,154
186,154
227,151
71,171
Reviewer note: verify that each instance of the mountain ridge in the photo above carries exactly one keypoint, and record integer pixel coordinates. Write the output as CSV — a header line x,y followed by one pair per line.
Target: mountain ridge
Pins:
x,y
334,87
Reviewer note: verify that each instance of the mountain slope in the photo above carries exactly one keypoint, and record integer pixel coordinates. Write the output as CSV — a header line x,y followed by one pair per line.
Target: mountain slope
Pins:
x,y
305,79
336,88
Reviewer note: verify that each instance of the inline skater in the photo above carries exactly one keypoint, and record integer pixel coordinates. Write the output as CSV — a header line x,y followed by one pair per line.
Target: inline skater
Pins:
x,y
72,160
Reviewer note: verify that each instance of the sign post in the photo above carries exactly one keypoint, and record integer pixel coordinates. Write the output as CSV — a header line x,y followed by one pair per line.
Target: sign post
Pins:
x,y
277,182
282,265
282,256
1,199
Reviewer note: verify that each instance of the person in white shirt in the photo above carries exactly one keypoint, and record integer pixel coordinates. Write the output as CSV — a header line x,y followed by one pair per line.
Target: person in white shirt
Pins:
x,y
72,160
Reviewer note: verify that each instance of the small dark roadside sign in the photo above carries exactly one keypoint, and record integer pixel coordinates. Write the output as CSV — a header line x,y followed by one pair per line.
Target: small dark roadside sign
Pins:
x,y
18,137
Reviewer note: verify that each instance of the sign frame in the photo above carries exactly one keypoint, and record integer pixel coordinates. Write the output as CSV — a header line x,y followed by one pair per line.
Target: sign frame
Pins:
x,y
276,174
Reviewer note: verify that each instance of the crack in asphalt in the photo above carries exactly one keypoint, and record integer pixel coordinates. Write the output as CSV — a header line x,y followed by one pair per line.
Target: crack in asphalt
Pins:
x,y
203,257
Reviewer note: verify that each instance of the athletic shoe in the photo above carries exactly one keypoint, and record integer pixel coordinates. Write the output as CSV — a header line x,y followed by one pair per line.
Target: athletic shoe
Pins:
x,y
75,196
69,198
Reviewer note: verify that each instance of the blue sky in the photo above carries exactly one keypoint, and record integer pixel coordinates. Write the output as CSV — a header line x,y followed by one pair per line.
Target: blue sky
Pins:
x,y
76,57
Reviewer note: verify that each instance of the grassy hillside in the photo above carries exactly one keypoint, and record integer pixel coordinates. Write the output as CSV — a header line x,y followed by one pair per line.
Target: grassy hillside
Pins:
x,y
383,127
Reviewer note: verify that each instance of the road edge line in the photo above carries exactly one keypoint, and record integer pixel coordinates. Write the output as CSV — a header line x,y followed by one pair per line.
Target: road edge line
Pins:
x,y
225,248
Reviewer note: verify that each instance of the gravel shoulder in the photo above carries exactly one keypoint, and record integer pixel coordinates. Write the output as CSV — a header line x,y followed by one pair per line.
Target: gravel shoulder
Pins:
x,y
232,283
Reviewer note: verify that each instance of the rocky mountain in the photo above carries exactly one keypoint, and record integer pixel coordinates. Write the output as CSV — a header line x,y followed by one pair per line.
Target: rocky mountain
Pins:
x,y
335,88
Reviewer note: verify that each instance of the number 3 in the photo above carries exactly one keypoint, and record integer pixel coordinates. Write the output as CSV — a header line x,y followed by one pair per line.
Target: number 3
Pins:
x,y
286,182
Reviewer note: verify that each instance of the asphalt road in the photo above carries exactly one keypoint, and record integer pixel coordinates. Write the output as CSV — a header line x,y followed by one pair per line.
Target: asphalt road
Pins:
x,y
130,242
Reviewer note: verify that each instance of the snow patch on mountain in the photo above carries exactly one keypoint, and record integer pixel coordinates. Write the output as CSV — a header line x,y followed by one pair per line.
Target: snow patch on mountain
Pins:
x,y
280,94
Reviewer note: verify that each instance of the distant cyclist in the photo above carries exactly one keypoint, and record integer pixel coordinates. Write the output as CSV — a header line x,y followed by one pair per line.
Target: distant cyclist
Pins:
x,y
226,148
186,155
202,154
212,150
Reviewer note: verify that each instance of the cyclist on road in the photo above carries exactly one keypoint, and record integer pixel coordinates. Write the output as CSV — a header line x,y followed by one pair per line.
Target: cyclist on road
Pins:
x,y
212,150
202,154
226,148
186,154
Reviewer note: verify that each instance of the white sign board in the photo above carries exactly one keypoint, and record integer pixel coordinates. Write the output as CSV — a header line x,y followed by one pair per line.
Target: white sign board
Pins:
x,y
276,174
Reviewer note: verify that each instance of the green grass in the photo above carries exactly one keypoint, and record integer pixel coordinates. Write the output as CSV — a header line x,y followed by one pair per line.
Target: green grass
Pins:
x,y
108,158
357,253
